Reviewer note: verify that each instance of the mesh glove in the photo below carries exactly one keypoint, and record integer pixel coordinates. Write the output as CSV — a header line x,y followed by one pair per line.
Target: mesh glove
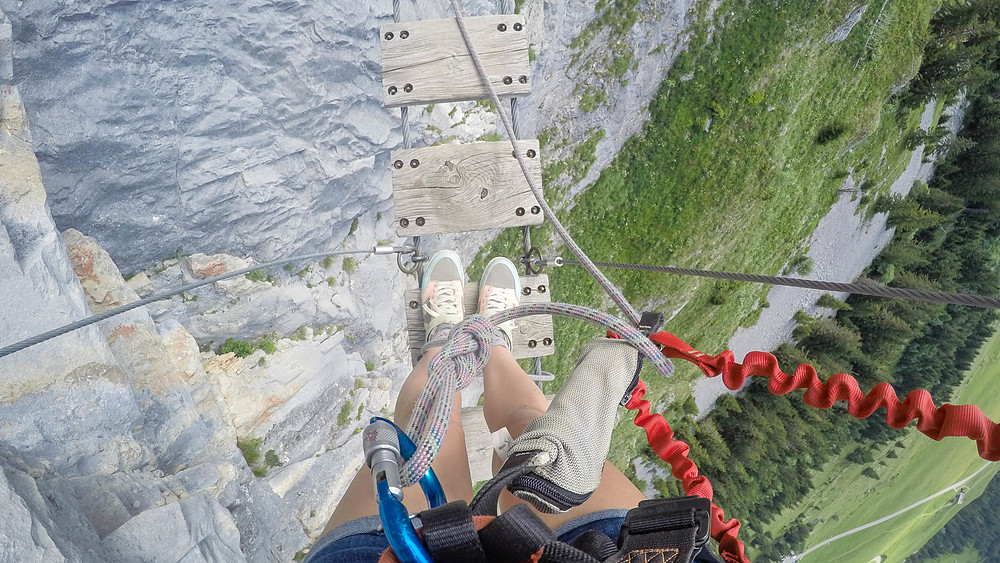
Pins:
x,y
566,447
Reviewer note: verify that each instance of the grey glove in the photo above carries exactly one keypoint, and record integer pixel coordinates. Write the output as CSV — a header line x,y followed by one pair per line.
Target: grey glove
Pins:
x,y
568,444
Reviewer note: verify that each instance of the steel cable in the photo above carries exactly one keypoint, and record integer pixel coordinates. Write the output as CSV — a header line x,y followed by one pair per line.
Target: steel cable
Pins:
x,y
612,291
38,339
872,289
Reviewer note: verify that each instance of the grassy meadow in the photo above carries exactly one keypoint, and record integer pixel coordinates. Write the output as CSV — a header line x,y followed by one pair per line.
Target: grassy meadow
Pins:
x,y
842,499
787,116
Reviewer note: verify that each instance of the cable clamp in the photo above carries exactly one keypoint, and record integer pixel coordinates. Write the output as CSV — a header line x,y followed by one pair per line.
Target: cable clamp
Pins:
x,y
533,261
411,265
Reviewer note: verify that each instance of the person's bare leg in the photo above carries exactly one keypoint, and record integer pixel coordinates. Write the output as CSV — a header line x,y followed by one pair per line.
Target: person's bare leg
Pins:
x,y
451,464
512,401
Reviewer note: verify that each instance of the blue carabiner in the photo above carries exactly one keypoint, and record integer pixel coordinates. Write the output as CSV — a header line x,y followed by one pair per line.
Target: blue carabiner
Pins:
x,y
429,483
395,519
399,530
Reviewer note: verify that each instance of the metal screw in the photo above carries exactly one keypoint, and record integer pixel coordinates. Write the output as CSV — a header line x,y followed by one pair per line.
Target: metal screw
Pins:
x,y
404,34
526,291
414,304
414,163
420,221
392,90
547,341
502,27
531,153
523,79
535,210
519,211
518,26
484,193
404,222
408,88
541,289
388,36
532,343
398,164
508,80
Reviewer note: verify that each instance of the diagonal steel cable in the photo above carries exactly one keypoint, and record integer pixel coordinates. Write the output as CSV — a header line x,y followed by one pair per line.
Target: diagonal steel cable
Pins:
x,y
612,291
38,339
872,289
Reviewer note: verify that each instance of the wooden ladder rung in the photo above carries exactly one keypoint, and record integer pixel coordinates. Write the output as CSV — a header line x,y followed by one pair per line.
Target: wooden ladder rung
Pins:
x,y
425,62
533,336
466,187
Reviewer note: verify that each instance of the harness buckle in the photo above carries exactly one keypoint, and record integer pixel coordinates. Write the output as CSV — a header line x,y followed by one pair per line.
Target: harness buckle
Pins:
x,y
682,524
650,322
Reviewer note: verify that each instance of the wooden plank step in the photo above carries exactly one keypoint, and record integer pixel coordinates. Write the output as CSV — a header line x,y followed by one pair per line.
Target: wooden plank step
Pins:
x,y
464,187
533,336
425,62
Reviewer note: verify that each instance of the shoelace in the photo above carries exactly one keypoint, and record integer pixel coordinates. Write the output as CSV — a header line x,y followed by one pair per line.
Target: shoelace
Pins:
x,y
444,298
499,299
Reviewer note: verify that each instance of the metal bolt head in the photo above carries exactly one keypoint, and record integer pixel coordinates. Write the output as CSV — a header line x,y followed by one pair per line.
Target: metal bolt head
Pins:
x,y
508,80
547,341
388,36
404,222
414,163
518,26
393,90
535,210
541,289
414,304
519,212
502,27
532,343
420,221
523,79
398,164
404,34
526,291
531,153
408,88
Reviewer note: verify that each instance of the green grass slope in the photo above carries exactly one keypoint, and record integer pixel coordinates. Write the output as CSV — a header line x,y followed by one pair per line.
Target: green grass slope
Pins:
x,y
843,499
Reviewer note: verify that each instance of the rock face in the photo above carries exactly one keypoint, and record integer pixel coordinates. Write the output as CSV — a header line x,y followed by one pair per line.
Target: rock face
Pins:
x,y
175,139
256,128
250,127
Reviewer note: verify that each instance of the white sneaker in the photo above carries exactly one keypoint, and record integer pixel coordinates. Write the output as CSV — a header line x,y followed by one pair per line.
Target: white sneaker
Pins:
x,y
441,294
499,290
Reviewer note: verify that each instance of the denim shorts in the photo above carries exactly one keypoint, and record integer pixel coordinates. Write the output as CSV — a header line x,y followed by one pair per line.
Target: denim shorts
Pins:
x,y
362,541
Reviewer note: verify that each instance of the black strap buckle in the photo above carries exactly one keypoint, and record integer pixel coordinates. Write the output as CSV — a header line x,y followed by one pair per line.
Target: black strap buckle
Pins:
x,y
650,322
682,524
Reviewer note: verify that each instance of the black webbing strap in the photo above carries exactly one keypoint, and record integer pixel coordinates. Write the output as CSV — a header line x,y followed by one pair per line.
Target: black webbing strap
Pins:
x,y
515,536
559,552
665,530
450,534
596,544
485,501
